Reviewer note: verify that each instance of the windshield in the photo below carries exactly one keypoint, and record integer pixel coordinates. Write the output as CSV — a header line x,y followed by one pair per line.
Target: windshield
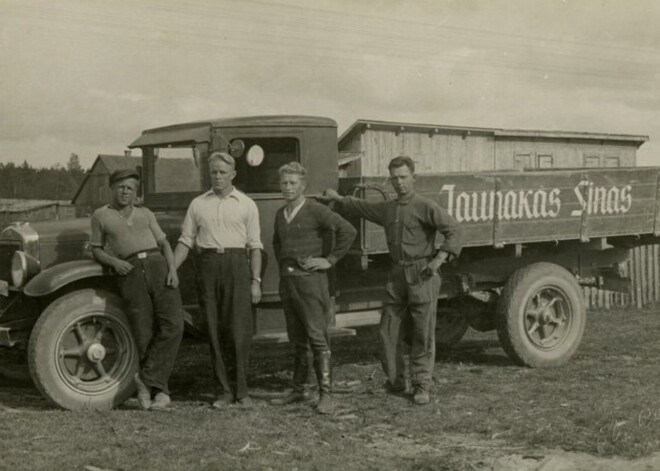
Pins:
x,y
176,170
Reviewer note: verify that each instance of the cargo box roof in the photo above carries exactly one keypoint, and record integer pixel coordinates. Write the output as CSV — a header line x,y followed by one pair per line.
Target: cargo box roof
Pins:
x,y
361,124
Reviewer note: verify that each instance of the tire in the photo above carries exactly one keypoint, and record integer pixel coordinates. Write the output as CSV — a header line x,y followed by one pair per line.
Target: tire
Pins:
x,y
541,316
81,354
450,327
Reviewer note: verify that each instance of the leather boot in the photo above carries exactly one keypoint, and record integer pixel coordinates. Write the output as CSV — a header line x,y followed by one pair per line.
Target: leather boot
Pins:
x,y
300,392
323,369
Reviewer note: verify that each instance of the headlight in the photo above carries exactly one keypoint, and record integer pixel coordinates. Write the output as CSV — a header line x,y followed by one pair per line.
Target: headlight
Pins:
x,y
23,267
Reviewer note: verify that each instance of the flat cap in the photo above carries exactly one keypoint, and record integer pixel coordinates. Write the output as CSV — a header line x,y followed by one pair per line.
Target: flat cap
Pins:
x,y
123,174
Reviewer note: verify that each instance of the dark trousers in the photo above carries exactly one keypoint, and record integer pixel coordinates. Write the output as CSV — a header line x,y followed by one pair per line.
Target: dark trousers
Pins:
x,y
408,321
155,316
306,301
227,304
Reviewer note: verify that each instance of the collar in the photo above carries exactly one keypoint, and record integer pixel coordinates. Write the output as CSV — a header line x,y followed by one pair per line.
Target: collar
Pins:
x,y
232,194
291,210
407,198
112,206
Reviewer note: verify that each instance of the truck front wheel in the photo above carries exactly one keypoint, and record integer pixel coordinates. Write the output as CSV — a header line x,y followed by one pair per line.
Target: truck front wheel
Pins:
x,y
541,315
81,353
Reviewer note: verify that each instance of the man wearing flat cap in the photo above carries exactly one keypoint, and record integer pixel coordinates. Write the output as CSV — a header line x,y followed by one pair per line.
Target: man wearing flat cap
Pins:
x,y
127,238
222,225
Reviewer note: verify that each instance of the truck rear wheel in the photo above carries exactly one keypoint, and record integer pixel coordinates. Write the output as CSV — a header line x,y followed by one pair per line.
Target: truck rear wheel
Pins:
x,y
541,316
450,327
81,353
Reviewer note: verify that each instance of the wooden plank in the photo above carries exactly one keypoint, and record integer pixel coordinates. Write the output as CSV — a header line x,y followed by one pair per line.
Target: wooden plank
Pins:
x,y
649,275
638,274
633,281
644,280
656,273
656,218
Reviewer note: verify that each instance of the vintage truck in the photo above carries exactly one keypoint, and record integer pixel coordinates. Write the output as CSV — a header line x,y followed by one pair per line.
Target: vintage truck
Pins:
x,y
532,238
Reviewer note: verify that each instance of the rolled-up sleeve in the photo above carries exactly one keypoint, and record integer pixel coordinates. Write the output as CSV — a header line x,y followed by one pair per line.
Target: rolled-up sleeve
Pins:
x,y
253,228
189,228
158,233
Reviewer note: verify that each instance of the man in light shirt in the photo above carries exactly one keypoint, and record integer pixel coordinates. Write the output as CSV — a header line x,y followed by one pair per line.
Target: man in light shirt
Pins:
x,y
223,225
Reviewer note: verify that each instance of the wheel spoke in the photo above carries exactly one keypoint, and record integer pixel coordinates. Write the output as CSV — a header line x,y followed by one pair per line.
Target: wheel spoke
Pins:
x,y
100,369
99,334
534,327
79,333
79,369
72,353
542,333
549,304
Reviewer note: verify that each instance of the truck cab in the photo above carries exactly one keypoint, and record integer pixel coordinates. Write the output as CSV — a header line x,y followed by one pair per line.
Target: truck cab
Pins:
x,y
59,309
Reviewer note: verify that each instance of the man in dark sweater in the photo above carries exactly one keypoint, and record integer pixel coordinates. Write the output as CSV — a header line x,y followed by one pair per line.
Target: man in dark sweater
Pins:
x,y
301,233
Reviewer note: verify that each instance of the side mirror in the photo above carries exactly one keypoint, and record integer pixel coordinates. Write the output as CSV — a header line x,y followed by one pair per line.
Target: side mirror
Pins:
x,y
236,148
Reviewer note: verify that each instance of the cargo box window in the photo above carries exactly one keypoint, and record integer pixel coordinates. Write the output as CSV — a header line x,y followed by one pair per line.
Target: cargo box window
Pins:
x,y
545,161
257,168
612,161
592,161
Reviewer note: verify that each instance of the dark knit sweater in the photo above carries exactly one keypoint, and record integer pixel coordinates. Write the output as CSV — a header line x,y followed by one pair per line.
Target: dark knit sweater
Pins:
x,y
316,231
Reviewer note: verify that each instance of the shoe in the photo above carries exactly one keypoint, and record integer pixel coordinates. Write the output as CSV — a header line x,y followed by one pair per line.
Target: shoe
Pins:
x,y
421,397
143,393
292,397
325,405
161,401
245,402
223,401
396,389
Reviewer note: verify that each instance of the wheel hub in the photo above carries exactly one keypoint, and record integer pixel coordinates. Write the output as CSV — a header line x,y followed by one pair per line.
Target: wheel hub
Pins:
x,y
96,352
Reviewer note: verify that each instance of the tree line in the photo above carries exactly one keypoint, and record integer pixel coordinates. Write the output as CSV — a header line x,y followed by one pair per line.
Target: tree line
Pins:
x,y
55,183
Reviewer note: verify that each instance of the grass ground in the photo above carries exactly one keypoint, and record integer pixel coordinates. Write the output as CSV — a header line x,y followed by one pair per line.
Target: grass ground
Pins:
x,y
605,403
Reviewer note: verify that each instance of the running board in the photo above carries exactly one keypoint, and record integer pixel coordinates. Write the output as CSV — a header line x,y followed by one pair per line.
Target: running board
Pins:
x,y
282,337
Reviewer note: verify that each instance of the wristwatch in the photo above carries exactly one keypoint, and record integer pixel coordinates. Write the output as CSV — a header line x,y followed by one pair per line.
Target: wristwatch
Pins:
x,y
257,279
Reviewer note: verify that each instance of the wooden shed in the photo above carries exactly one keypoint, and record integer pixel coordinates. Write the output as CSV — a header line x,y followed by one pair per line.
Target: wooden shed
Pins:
x,y
94,190
12,210
366,147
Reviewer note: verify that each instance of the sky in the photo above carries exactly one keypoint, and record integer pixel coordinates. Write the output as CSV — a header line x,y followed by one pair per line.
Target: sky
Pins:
x,y
87,76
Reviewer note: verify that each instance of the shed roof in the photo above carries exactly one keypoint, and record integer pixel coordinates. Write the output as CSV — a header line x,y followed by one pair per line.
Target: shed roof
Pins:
x,y
199,131
362,124
116,162
11,205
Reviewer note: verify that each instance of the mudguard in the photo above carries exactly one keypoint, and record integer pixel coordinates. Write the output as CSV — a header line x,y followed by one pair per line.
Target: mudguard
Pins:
x,y
57,276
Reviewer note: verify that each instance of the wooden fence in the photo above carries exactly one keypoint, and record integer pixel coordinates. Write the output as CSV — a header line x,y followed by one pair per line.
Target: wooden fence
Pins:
x,y
643,268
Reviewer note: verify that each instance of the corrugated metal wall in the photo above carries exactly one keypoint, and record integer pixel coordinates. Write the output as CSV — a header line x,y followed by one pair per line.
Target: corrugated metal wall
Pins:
x,y
643,268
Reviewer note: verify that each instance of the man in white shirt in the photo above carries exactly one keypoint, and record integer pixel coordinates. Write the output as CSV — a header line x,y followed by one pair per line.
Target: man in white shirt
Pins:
x,y
223,225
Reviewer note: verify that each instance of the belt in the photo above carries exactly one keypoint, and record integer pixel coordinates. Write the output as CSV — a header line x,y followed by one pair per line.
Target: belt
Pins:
x,y
223,250
142,253
406,263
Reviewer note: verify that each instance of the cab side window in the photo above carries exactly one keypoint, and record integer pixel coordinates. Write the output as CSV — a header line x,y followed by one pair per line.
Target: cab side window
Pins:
x,y
257,168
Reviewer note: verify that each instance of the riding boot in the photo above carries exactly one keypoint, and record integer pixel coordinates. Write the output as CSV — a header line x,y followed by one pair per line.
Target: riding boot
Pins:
x,y
323,368
300,392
